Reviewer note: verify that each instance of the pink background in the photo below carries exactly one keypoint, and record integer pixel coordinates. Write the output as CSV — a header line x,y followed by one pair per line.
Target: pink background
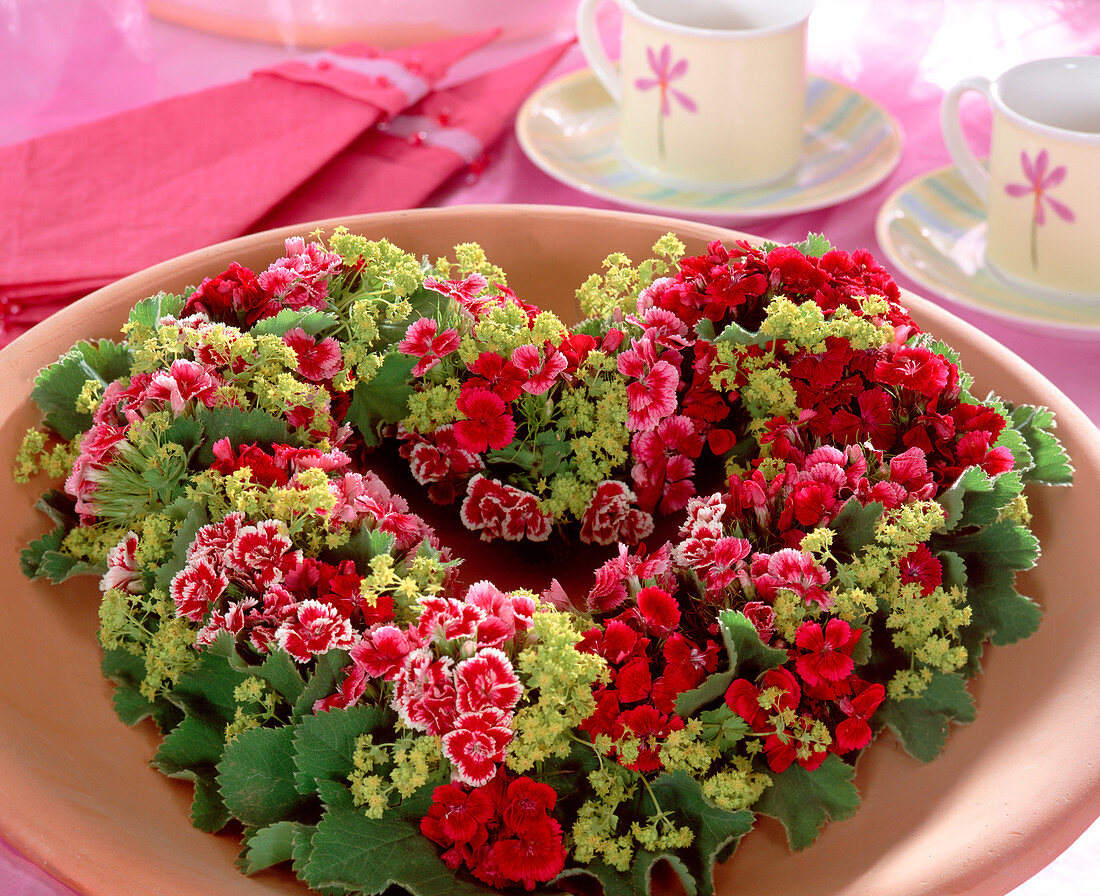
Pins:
x,y
67,61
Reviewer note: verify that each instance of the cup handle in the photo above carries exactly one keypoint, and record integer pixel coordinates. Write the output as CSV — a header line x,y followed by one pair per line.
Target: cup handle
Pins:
x,y
972,171
594,51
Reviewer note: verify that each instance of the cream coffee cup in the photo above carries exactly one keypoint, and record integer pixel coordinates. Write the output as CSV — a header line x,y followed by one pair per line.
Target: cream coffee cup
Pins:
x,y
710,92
1041,185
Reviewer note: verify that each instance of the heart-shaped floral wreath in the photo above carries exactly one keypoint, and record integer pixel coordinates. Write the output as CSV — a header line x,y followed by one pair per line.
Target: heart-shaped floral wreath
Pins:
x,y
844,522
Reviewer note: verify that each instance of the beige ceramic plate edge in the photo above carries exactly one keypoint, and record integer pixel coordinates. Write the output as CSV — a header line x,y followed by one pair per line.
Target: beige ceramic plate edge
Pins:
x,y
569,129
933,229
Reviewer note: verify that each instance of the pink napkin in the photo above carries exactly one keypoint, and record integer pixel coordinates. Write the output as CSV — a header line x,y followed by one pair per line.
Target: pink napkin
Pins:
x,y
87,205
402,161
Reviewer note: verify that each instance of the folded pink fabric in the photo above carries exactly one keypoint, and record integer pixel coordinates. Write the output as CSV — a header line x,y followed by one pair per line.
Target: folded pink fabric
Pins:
x,y
87,205
401,162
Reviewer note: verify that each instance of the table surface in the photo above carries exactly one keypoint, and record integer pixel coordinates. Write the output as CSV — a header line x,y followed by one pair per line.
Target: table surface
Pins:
x,y
67,61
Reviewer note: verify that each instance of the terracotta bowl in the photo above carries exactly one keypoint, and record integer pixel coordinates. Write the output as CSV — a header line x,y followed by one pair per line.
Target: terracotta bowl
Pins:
x,y
1007,795
381,23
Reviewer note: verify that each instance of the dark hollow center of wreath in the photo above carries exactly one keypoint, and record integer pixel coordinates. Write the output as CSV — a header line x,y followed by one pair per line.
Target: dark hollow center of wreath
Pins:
x,y
523,564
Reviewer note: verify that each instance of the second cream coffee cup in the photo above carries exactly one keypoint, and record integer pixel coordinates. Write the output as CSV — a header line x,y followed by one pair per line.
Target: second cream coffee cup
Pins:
x,y
710,92
1041,185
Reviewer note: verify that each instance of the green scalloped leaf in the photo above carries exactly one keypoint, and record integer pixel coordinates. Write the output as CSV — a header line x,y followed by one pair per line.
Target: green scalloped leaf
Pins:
x,y
1052,463
646,872
206,689
723,727
256,777
350,852
747,657
309,320
240,427
363,546
191,750
977,499
814,246
269,846
127,671
738,335
998,611
922,723
1004,543
613,881
43,559
208,812
855,527
803,800
716,830
278,668
57,387
385,399
326,675
145,314
324,744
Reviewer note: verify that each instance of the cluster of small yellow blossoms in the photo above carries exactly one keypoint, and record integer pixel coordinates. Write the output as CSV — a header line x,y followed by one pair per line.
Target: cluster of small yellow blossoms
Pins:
x,y
617,289
470,259
384,774
38,453
597,833
257,702
558,689
805,327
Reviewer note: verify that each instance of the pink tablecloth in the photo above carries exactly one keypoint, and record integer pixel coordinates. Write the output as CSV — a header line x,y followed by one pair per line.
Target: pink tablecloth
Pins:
x,y
67,61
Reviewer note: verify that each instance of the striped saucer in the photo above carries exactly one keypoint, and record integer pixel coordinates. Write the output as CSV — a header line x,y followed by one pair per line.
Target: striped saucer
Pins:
x,y
933,229
569,128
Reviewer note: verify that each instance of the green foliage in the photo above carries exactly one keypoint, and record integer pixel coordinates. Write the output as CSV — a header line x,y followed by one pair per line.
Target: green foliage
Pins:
x,y
855,528
188,528
191,752
268,846
613,882
127,671
278,668
814,246
717,831
327,673
324,744
311,321
350,853
240,427
256,777
921,723
57,387
747,657
384,399
363,545
1051,463
206,689
738,335
1004,543
44,559
145,314
803,800
978,499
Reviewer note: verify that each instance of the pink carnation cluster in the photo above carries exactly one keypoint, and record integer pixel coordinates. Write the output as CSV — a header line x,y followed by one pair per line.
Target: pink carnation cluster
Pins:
x,y
247,579
450,674
239,297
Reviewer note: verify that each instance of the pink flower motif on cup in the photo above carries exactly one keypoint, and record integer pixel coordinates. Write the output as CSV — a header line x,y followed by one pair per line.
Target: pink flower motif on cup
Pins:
x,y
665,71
1039,181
